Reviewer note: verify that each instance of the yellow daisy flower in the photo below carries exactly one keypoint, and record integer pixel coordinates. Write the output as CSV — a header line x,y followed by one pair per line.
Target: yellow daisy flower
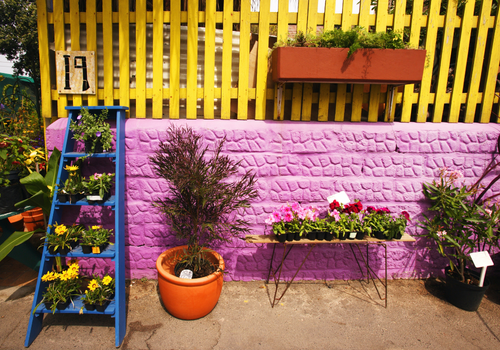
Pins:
x,y
49,276
61,229
106,280
71,168
96,227
93,285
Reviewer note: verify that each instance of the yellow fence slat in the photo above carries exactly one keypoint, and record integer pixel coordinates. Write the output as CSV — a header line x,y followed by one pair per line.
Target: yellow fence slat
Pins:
x,y
60,45
75,38
43,41
444,66
192,61
175,59
324,89
91,28
227,51
244,59
124,47
477,65
342,88
158,58
282,34
208,85
262,60
312,24
140,59
460,66
492,72
430,46
414,40
297,88
107,36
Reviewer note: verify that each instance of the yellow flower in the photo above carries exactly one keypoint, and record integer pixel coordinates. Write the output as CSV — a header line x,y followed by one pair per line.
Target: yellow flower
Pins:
x,y
33,154
96,227
71,168
106,280
61,229
28,161
93,285
49,276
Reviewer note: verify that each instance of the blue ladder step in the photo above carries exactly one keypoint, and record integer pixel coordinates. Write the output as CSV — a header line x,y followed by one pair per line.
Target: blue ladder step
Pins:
x,y
110,202
75,307
77,252
91,155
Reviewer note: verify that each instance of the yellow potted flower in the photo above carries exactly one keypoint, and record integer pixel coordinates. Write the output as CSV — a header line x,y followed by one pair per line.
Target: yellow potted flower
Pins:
x,y
99,293
62,287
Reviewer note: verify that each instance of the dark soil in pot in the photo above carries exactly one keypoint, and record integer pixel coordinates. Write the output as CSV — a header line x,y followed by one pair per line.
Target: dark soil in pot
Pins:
x,y
206,269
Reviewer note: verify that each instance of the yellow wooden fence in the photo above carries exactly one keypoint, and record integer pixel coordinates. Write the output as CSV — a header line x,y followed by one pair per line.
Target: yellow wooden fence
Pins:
x,y
147,63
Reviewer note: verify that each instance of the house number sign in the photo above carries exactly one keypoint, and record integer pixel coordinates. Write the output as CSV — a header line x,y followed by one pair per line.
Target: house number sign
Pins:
x,y
75,72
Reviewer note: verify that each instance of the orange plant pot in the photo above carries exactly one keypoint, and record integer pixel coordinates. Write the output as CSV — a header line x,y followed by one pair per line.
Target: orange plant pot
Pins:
x,y
17,222
188,299
33,219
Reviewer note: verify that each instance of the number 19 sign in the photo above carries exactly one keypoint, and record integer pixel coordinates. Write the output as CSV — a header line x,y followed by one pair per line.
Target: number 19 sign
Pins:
x,y
75,72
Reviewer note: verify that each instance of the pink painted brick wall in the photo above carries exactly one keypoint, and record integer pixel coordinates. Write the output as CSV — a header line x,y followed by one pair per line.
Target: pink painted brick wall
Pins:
x,y
379,164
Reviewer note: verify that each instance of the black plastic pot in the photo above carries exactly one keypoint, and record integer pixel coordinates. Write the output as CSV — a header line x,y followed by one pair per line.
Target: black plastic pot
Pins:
x,y
86,249
89,307
312,235
328,236
281,238
342,235
98,146
62,197
379,234
467,297
63,306
101,308
10,195
320,236
360,235
290,236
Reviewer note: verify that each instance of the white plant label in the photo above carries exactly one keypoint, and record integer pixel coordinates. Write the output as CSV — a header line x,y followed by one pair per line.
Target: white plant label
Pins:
x,y
481,259
340,197
187,274
94,198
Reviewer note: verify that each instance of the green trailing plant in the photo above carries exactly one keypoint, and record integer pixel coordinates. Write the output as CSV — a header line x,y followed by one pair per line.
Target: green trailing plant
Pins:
x,y
204,193
94,128
356,38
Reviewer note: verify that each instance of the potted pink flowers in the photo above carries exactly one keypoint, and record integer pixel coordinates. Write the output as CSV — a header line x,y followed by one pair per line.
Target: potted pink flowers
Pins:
x,y
290,221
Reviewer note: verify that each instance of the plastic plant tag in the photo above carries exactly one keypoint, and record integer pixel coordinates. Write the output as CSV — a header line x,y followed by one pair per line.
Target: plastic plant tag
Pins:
x,y
94,198
96,250
481,259
352,235
340,197
188,274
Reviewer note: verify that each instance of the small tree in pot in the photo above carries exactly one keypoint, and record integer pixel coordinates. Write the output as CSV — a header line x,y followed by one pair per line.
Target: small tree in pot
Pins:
x,y
204,193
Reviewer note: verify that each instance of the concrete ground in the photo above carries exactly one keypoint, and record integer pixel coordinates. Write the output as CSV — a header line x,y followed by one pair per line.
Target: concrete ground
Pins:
x,y
312,315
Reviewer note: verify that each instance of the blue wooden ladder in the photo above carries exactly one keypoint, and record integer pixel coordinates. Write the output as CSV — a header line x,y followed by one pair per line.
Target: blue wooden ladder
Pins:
x,y
114,252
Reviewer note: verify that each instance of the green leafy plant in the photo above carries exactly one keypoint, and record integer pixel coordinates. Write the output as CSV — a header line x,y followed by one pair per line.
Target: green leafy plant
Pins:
x,y
73,184
99,183
62,286
14,152
96,236
377,220
99,290
203,194
356,38
292,218
460,221
89,127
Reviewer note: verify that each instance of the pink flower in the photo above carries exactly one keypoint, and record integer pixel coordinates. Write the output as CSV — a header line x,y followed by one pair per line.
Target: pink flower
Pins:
x,y
335,214
270,220
295,206
276,216
406,215
288,217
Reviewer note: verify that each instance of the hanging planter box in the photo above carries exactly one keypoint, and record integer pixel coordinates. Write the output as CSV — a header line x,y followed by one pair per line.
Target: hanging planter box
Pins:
x,y
331,65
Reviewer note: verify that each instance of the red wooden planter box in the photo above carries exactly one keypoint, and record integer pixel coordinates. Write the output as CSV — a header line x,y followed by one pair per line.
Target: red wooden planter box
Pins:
x,y
331,65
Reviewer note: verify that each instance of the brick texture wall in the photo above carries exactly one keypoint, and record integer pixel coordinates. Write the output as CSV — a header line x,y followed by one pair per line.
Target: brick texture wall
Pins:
x,y
379,164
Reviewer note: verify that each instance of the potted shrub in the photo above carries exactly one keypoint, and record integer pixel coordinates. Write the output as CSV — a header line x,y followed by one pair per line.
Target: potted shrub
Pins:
x,y
354,56
62,287
93,130
99,293
62,239
204,192
95,239
461,222
98,187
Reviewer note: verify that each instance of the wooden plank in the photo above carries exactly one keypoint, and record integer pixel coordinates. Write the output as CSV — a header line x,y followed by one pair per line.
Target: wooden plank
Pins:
x,y
477,65
282,34
358,89
107,38
175,59
75,37
124,47
267,239
415,26
297,88
461,63
444,66
491,78
244,59
311,29
158,58
60,45
209,81
192,61
140,59
262,61
43,48
324,89
91,27
227,52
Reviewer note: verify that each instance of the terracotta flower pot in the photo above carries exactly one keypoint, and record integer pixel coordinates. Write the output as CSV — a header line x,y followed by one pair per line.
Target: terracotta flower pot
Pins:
x,y
188,299
33,219
365,66
17,222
